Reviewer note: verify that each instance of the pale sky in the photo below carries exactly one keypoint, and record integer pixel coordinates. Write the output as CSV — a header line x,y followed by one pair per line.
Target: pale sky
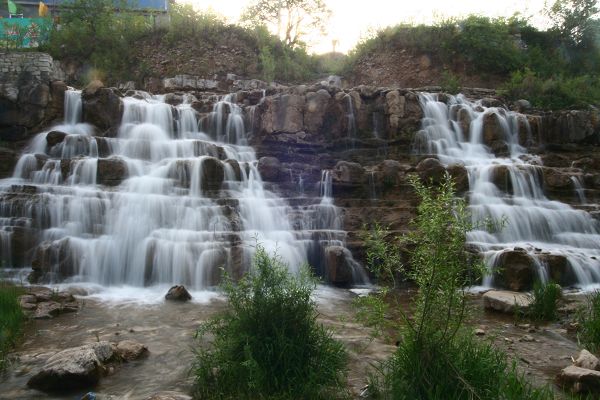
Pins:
x,y
352,19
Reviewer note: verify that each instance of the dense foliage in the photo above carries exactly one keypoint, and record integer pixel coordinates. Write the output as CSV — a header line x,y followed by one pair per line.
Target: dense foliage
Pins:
x,y
11,319
437,358
91,32
554,68
268,344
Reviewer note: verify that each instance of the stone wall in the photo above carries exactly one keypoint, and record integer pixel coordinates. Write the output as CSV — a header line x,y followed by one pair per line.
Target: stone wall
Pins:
x,y
31,94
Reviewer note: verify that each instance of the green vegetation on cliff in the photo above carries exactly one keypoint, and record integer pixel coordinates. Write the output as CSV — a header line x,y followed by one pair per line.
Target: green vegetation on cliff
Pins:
x,y
11,319
554,68
91,33
268,343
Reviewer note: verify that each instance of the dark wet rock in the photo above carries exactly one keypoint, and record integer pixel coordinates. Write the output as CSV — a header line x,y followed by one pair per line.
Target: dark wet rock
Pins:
x,y
492,129
213,174
8,160
73,368
270,169
349,172
339,272
506,301
55,137
431,170
460,175
515,270
111,171
580,380
178,293
559,269
130,350
102,107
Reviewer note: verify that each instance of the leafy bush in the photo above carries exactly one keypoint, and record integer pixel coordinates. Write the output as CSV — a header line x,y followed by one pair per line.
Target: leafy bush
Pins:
x,y
91,31
268,344
11,319
589,323
545,298
437,358
553,93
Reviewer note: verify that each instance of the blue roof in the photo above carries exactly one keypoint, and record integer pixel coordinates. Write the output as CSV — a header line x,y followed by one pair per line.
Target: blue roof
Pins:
x,y
158,5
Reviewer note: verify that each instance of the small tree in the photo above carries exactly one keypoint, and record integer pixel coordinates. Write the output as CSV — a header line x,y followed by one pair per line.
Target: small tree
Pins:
x,y
268,344
292,19
574,18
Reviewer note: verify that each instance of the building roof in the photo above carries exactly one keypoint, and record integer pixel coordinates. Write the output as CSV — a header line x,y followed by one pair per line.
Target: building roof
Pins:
x,y
149,5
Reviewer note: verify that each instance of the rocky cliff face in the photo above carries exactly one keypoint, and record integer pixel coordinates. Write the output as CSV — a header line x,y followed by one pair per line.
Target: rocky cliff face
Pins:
x,y
365,136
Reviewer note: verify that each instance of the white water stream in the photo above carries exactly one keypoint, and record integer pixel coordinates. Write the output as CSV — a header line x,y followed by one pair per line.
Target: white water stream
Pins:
x,y
534,223
189,204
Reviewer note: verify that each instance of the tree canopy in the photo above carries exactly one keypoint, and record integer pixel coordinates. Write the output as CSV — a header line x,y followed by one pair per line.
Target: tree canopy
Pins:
x,y
292,19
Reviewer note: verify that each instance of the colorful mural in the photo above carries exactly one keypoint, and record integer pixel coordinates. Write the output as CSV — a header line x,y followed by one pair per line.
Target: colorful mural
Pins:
x,y
24,32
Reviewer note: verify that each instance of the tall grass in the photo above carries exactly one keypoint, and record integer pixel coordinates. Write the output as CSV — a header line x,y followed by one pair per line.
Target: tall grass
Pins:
x,y
11,319
544,305
268,344
589,323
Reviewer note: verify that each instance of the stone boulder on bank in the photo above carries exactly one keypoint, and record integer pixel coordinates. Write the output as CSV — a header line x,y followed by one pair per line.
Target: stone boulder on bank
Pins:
x,y
73,368
506,301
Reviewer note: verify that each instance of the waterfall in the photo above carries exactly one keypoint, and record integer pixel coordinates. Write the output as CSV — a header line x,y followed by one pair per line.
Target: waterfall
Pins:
x,y
579,190
507,187
73,106
171,199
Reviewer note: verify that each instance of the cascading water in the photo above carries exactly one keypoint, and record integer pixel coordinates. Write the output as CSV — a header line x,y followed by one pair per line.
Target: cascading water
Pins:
x,y
534,224
183,204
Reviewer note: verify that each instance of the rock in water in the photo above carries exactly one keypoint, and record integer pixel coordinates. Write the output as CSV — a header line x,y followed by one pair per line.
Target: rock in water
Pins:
x,y
178,293
505,301
130,350
73,368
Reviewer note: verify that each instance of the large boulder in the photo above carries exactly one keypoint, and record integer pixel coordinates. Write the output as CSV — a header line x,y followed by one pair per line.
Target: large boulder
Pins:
x,y
111,171
102,106
338,268
282,113
492,129
55,137
129,350
515,270
573,126
505,301
349,172
315,108
73,368
212,174
580,380
587,360
178,293
269,168
431,170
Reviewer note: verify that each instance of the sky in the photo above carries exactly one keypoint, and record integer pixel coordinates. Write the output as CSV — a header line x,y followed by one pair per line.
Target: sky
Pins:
x,y
355,19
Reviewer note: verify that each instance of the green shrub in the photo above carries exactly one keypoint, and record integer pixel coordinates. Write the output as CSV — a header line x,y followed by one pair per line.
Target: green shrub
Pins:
x,y
462,369
437,358
545,298
268,344
555,92
589,323
11,319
